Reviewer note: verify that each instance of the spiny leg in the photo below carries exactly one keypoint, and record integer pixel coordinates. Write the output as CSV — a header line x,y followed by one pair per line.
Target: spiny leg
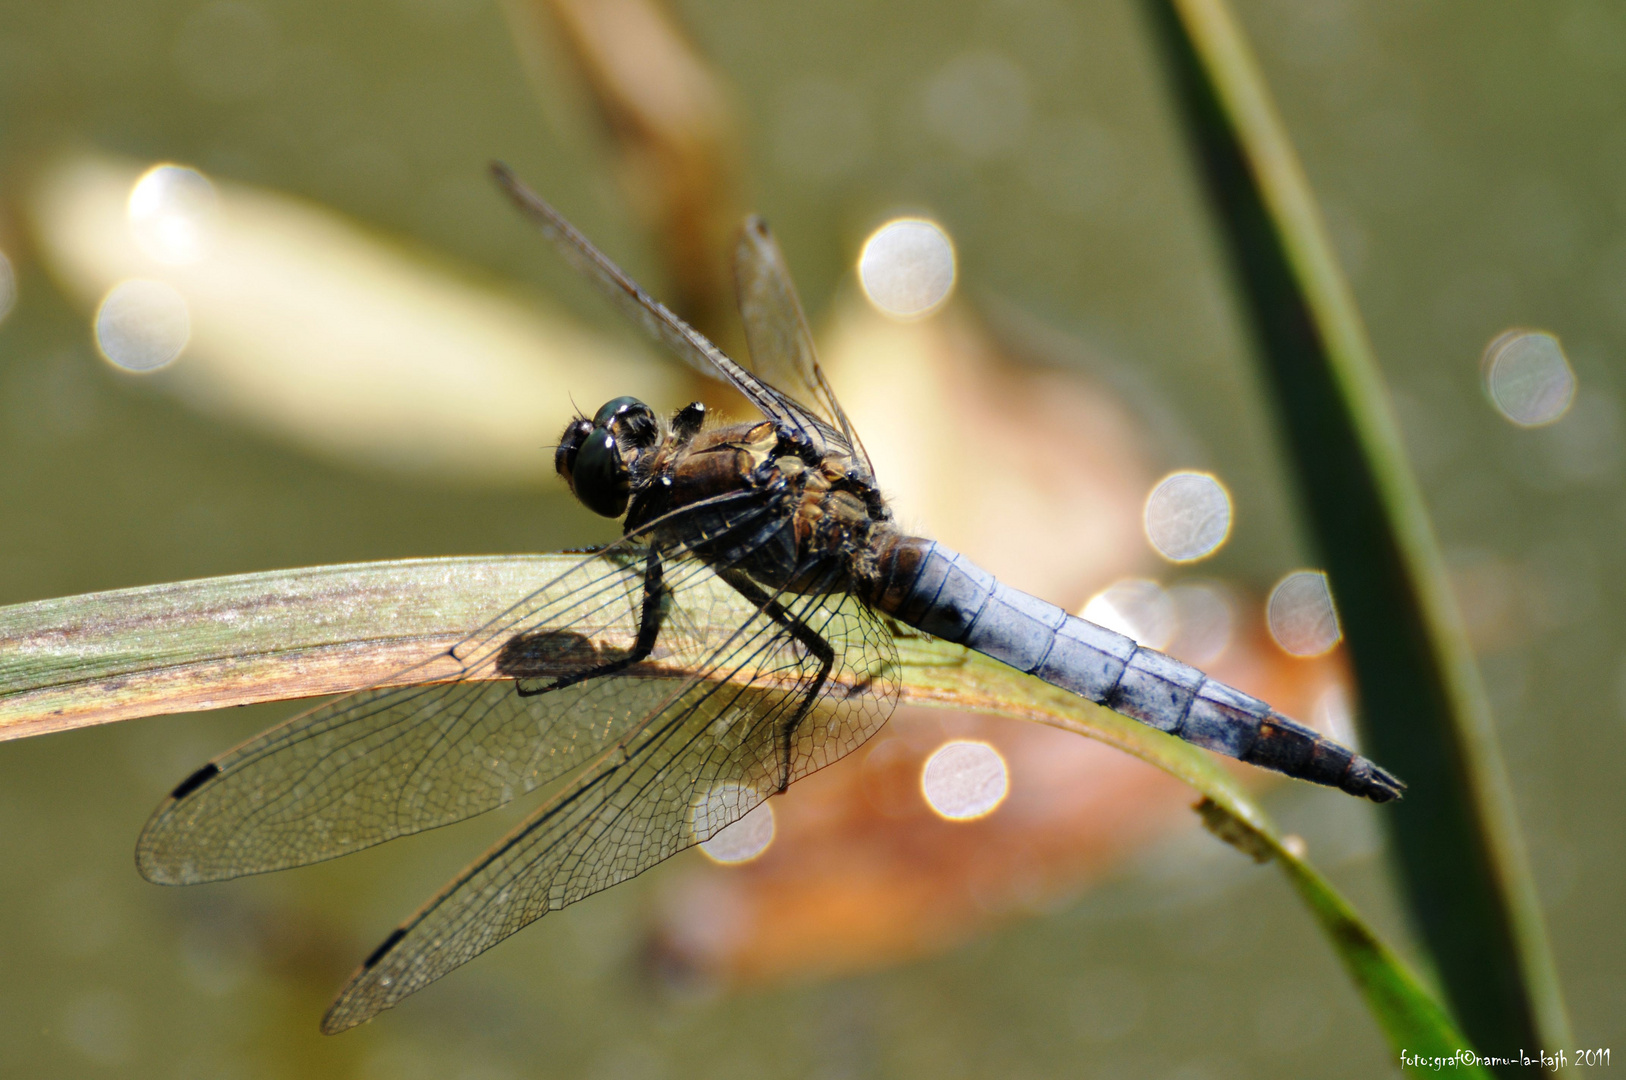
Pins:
x,y
650,620
809,638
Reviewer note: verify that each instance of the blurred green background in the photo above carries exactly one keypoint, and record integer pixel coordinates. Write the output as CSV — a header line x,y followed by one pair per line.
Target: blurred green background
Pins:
x,y
1468,156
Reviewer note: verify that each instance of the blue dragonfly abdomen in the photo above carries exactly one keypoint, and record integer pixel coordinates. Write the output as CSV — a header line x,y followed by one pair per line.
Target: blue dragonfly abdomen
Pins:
x,y
932,588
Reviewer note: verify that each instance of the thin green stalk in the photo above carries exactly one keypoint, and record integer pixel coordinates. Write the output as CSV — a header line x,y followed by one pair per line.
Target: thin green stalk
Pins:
x,y
1423,707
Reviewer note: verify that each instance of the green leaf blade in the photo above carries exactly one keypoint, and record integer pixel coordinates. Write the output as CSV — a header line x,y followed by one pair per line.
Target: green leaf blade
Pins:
x,y
1424,709
216,642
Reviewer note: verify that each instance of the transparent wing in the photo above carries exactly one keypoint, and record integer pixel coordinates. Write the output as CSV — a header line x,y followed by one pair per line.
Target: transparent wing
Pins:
x,y
781,344
399,759
648,313
768,712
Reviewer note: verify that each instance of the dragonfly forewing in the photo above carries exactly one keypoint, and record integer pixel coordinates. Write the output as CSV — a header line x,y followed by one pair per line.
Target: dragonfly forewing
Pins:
x,y
768,710
780,343
641,309
399,759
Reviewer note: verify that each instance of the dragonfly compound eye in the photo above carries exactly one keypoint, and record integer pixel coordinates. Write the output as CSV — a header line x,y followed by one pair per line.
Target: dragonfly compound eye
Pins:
x,y
564,458
599,476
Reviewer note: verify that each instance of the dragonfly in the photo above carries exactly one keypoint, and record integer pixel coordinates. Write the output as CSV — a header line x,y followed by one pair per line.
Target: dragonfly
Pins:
x,y
738,636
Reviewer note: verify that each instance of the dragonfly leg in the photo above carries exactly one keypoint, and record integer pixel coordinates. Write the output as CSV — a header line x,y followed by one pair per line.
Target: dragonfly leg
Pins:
x,y
649,627
810,640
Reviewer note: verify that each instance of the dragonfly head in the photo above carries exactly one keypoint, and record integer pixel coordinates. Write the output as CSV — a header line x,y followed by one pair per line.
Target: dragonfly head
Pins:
x,y
595,456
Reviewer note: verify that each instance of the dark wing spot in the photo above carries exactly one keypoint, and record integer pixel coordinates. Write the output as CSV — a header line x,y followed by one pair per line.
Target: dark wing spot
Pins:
x,y
389,943
195,781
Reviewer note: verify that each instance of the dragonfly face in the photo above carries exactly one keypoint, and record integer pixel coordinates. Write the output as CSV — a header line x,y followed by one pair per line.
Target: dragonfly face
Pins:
x,y
595,457
730,643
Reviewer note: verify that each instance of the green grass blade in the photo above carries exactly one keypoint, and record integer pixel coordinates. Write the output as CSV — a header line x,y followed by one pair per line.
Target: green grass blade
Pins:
x,y
85,660
1423,706
1412,1019
207,644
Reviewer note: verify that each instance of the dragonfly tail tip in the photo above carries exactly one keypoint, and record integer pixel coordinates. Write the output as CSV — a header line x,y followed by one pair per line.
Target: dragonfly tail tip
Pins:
x,y
1366,778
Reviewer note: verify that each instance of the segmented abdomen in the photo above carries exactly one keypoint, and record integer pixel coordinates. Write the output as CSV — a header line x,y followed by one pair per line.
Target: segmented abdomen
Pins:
x,y
943,593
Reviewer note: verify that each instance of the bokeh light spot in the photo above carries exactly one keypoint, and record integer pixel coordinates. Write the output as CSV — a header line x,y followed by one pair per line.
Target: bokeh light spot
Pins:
x,y
725,838
1137,608
142,325
172,212
1205,621
980,104
1527,377
965,780
1188,516
101,1025
1301,615
907,268
1334,716
744,840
